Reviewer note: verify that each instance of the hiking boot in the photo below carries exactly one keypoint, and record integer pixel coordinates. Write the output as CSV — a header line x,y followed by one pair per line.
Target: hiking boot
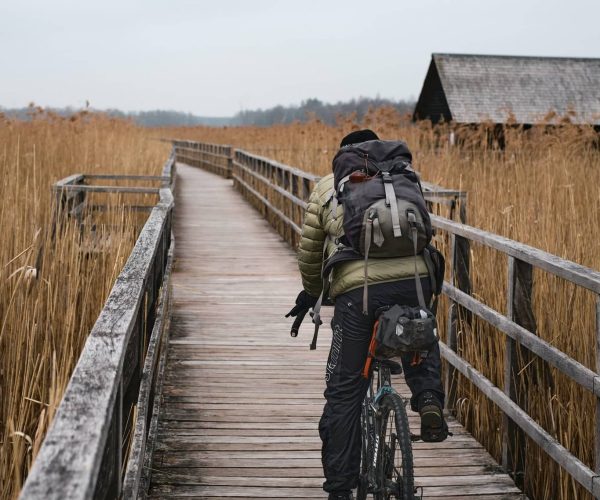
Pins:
x,y
433,426
341,495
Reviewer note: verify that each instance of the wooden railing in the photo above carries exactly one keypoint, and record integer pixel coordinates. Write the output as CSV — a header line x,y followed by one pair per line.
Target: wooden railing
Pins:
x,y
280,193
215,158
100,442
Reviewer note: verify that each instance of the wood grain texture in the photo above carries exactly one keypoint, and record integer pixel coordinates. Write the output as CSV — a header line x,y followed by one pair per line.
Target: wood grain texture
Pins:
x,y
241,398
83,451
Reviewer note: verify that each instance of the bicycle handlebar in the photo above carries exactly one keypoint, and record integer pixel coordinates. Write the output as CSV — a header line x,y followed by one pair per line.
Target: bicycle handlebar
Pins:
x,y
298,322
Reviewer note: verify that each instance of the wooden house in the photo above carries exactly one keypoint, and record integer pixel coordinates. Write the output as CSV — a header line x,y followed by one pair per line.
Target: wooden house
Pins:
x,y
472,89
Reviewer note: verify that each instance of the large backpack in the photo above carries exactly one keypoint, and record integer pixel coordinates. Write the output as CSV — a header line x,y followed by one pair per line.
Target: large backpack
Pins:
x,y
385,214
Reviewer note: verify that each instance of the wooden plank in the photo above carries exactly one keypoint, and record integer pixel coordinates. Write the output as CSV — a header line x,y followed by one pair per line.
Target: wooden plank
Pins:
x,y
286,194
246,158
576,273
268,204
242,399
110,189
117,177
71,179
585,377
144,407
575,467
199,477
597,417
166,491
519,310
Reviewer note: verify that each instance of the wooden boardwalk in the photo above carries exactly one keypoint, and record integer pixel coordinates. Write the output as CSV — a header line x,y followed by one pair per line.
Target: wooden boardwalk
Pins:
x,y
242,398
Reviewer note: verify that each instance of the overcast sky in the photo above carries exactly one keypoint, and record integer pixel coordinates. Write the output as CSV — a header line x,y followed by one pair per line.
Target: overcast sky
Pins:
x,y
217,57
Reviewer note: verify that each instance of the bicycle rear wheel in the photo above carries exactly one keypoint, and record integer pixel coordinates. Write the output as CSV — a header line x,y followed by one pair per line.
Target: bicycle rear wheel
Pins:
x,y
396,459
363,481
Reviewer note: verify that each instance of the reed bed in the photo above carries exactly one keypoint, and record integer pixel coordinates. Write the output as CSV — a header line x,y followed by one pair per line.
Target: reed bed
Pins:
x,y
541,189
52,288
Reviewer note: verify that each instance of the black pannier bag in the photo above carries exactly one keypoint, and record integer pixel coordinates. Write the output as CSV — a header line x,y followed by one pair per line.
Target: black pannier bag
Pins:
x,y
404,329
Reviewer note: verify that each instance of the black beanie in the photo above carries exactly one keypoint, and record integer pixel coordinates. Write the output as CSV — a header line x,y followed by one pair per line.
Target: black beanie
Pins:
x,y
359,136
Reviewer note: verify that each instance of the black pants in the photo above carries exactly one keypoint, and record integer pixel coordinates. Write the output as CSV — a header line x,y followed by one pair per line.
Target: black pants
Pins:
x,y
339,426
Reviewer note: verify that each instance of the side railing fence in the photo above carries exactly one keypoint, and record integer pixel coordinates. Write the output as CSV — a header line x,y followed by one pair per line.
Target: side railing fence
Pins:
x,y
281,192
100,442
215,158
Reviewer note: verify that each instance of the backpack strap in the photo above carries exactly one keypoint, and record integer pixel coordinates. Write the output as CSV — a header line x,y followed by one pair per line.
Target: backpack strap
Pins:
x,y
431,270
316,312
368,237
316,317
412,219
333,206
390,201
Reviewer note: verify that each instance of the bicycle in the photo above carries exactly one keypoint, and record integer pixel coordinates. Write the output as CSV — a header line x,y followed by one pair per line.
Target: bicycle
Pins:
x,y
386,455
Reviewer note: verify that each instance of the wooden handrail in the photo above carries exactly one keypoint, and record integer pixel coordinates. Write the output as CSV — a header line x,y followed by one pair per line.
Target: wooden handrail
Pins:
x,y
280,193
84,453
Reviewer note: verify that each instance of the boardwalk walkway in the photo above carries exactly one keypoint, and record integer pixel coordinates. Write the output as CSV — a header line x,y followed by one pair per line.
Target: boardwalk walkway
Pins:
x,y
241,398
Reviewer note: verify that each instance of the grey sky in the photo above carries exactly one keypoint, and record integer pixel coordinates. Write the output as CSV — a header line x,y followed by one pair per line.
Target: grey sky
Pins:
x,y
219,56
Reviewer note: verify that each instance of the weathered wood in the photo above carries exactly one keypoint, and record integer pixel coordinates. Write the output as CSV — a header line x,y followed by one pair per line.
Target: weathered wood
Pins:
x,y
452,341
145,402
245,157
597,416
202,491
585,377
519,310
109,189
116,208
205,156
242,399
153,426
71,179
196,477
575,467
82,453
117,177
576,273
267,204
292,197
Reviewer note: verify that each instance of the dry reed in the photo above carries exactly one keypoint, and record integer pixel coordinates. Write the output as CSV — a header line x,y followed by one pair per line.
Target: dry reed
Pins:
x,y
45,315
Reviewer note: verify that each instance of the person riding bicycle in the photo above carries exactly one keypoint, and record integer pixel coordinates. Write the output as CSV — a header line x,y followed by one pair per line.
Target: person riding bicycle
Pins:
x,y
390,281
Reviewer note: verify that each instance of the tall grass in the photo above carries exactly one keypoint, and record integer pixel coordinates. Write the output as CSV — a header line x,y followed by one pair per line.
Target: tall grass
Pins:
x,y
542,189
51,290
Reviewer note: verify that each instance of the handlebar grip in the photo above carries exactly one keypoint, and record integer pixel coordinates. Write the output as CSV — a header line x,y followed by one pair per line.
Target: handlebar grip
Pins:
x,y
297,323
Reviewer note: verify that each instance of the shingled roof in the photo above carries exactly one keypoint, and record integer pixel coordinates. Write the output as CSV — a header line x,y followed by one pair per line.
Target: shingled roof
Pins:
x,y
475,88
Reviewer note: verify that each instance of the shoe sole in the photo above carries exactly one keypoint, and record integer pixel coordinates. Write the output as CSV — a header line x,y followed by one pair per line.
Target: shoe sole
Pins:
x,y
432,424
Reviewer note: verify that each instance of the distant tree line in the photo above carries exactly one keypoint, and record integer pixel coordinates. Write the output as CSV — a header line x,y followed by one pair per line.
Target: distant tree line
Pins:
x,y
307,110
314,108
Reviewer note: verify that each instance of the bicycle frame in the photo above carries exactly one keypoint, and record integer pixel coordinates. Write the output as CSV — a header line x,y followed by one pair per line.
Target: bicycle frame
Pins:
x,y
370,438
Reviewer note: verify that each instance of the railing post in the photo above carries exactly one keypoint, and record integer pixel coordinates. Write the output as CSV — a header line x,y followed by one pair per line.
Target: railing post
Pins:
x,y
460,278
597,421
451,341
229,162
291,209
519,310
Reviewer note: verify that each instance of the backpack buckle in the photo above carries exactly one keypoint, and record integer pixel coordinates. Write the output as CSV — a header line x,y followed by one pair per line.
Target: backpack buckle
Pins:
x,y
386,176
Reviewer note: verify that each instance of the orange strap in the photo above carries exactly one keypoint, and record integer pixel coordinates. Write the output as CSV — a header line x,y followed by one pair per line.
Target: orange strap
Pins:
x,y
367,369
416,359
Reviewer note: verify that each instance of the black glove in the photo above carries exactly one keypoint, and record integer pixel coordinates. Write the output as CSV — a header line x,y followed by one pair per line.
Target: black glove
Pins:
x,y
304,302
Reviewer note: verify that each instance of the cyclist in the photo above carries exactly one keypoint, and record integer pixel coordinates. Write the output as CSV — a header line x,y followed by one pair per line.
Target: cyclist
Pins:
x,y
391,281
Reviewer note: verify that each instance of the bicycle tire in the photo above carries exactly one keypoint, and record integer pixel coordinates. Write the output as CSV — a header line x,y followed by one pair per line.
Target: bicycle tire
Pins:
x,y
396,407
361,490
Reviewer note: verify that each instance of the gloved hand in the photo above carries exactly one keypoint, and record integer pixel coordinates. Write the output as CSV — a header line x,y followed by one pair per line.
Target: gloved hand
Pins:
x,y
304,302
